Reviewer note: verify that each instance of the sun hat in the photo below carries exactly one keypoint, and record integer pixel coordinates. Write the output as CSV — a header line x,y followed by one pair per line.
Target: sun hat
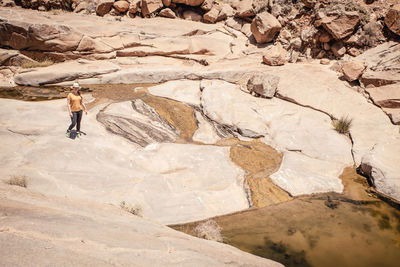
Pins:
x,y
75,85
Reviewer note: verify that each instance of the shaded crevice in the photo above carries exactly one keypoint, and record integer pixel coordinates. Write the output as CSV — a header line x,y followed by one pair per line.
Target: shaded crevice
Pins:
x,y
367,96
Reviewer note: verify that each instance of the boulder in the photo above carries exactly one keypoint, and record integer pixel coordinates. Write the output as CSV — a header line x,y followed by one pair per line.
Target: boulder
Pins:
x,y
168,13
103,7
150,6
352,70
192,15
325,61
166,3
226,11
121,6
207,5
338,49
263,84
134,6
275,56
381,164
212,15
249,8
82,6
8,3
264,27
392,19
340,26
189,2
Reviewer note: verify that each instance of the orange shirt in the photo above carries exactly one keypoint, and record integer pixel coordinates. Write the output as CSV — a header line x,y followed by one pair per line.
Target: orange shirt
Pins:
x,y
75,102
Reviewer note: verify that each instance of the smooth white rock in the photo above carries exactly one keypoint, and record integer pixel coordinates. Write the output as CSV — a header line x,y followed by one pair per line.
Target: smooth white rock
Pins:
x,y
382,165
205,132
302,175
186,91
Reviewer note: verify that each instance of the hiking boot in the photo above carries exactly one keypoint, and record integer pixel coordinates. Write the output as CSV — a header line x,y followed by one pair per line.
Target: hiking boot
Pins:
x,y
78,134
68,133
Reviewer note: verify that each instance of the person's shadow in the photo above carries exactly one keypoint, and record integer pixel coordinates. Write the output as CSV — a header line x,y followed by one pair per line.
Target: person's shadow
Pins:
x,y
74,134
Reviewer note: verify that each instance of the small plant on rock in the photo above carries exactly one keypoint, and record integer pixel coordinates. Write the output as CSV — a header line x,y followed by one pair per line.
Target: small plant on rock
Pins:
x,y
135,209
209,230
17,180
343,125
37,64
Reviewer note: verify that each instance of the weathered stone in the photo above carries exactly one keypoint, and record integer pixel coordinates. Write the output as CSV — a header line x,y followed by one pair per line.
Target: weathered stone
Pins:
x,y
103,7
392,19
189,2
338,49
234,23
205,132
379,78
168,13
342,25
207,5
308,33
93,45
263,84
296,43
327,46
121,5
150,6
249,8
226,11
325,37
275,56
381,164
352,70
166,3
388,98
191,15
8,3
212,15
82,6
264,27
354,52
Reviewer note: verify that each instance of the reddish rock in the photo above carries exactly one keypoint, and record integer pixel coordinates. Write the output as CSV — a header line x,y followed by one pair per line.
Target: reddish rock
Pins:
x,y
354,52
392,19
275,56
264,27
207,5
150,6
168,13
121,6
167,3
325,37
338,49
342,25
352,70
103,7
134,6
212,15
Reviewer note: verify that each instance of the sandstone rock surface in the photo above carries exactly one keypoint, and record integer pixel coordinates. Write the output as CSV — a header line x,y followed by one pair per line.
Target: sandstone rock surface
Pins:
x,y
41,230
181,90
382,166
264,27
388,98
263,84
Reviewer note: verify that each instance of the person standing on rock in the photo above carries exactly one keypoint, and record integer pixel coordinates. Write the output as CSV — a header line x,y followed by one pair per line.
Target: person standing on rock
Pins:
x,y
75,109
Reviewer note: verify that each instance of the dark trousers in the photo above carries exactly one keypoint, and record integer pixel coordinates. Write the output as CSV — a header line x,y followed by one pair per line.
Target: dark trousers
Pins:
x,y
76,120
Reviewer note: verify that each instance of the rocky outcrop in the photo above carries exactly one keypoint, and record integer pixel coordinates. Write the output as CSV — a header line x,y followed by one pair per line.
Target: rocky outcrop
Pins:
x,y
263,84
275,56
264,27
392,19
381,165
150,6
352,70
340,26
